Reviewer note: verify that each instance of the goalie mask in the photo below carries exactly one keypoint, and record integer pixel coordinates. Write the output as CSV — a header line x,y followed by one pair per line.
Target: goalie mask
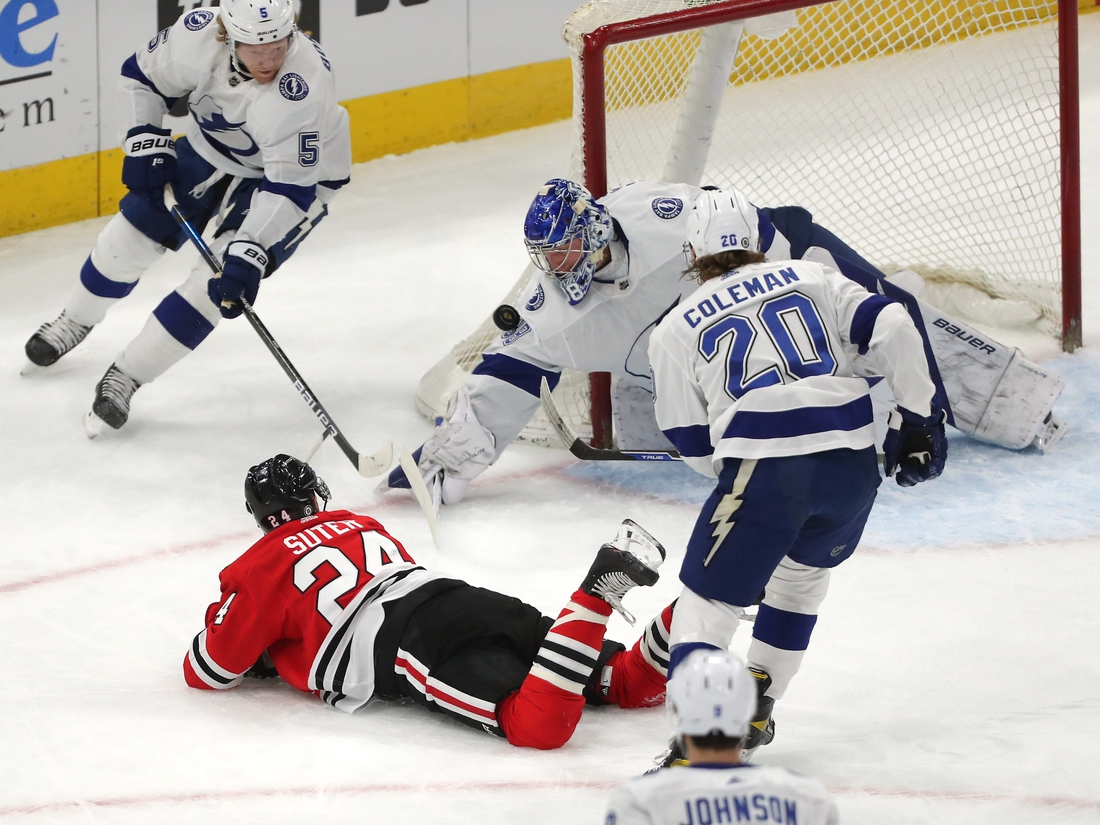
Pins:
x,y
565,231
710,691
721,221
282,489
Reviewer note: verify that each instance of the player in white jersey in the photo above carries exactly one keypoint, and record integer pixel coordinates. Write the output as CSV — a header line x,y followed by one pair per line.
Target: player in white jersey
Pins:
x,y
595,309
710,701
754,383
266,149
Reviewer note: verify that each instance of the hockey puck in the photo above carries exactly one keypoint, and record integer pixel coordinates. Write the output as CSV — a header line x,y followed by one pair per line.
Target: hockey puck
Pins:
x,y
506,317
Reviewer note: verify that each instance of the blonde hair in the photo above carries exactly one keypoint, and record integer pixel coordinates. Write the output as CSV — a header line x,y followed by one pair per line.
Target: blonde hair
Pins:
x,y
713,266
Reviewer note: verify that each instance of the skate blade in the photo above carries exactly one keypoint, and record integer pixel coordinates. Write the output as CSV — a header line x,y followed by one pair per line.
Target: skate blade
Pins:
x,y
93,424
29,367
636,540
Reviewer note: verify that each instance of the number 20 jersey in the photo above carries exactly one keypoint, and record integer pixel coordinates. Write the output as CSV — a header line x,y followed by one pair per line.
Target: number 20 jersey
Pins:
x,y
757,363
312,593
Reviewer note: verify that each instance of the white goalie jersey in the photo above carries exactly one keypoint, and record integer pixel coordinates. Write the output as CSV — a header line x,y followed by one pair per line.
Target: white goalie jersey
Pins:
x,y
705,794
758,363
291,132
609,330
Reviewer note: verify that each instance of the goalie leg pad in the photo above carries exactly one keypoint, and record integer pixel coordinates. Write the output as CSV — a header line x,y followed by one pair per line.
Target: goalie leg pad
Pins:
x,y
996,393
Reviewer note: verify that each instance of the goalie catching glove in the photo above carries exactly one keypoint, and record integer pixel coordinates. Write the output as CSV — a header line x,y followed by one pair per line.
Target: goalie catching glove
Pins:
x,y
915,448
461,448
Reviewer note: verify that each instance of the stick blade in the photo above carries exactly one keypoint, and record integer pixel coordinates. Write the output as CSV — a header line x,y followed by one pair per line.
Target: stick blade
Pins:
x,y
376,464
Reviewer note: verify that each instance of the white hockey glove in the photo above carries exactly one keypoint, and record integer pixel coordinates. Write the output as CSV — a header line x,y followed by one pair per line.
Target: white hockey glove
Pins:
x,y
460,447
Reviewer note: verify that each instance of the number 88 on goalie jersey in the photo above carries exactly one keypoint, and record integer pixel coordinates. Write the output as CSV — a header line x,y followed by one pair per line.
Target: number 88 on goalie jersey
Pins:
x,y
757,364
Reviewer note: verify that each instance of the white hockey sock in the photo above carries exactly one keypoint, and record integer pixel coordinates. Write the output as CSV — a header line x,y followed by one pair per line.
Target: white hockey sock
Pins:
x,y
117,261
157,347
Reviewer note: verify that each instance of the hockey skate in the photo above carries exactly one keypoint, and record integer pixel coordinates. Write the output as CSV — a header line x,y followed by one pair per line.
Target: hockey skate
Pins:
x,y
762,726
112,402
54,339
629,560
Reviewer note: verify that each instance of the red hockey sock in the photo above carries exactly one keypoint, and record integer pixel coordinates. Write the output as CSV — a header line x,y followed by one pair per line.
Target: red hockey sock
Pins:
x,y
546,709
638,675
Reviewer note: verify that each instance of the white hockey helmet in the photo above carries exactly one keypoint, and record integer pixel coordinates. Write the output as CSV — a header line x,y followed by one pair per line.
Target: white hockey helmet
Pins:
x,y
257,21
710,690
722,220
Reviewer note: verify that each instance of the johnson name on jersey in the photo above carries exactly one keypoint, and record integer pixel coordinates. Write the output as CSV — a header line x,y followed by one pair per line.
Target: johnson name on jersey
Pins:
x,y
311,593
706,794
291,132
757,363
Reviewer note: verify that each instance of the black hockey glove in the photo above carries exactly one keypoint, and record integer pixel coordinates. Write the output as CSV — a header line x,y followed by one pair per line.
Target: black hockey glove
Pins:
x,y
263,669
244,265
915,447
150,160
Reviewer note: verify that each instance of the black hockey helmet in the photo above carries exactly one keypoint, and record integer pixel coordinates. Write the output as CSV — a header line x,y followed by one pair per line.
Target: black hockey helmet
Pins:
x,y
282,489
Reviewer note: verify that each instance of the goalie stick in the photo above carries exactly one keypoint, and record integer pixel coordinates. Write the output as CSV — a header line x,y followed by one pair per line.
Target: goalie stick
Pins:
x,y
429,500
586,452
367,465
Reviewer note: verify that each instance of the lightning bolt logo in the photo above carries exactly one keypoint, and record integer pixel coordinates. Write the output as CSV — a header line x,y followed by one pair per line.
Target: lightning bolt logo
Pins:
x,y
728,505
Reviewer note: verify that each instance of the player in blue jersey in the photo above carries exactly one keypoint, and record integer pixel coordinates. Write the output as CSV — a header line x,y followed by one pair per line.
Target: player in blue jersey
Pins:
x,y
754,384
710,701
266,148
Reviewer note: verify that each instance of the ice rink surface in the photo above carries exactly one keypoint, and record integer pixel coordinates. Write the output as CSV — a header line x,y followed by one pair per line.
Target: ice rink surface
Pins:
x,y
953,677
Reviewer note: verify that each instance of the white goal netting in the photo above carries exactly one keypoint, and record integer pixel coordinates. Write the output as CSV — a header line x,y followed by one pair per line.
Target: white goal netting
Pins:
x,y
925,135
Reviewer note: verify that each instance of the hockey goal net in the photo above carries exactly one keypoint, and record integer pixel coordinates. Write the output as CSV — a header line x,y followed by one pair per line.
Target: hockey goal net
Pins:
x,y
938,136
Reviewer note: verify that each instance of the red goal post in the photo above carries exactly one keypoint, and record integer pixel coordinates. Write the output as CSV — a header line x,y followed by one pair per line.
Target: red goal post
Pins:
x,y
939,136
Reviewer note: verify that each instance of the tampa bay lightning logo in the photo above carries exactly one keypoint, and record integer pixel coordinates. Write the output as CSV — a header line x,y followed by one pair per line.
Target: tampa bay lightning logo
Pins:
x,y
537,300
224,136
510,337
292,87
198,19
667,208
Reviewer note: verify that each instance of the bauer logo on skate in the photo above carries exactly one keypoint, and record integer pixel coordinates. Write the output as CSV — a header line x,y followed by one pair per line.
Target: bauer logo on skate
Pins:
x,y
964,335
739,293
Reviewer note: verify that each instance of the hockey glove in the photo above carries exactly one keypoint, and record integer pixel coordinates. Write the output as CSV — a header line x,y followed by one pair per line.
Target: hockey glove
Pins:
x,y
244,265
263,669
915,448
150,160
460,446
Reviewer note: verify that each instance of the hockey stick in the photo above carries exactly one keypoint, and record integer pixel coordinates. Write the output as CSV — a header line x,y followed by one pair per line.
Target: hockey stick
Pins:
x,y
586,452
367,465
429,500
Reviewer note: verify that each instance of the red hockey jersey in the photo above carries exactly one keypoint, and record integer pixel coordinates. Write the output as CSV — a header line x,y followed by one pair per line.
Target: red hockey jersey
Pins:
x,y
312,594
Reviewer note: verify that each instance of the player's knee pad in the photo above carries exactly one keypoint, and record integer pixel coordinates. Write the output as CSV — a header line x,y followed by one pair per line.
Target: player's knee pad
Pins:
x,y
796,588
194,291
705,621
122,253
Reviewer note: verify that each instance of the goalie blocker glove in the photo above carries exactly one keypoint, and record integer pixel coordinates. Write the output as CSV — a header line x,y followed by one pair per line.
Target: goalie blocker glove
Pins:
x,y
245,264
915,448
150,160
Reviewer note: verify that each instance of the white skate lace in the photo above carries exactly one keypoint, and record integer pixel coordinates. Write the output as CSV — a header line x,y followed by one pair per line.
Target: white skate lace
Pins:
x,y
611,587
118,388
63,334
